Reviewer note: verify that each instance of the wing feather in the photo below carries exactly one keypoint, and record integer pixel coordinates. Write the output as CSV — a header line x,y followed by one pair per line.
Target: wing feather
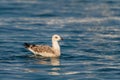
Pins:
x,y
42,49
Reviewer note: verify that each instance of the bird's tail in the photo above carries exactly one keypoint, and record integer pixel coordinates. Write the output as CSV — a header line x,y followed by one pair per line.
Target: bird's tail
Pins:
x,y
27,45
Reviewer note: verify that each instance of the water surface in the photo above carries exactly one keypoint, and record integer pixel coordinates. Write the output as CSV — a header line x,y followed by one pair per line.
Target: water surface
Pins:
x,y
91,32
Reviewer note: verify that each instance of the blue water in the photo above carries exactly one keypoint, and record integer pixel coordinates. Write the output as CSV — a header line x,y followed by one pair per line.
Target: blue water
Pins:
x,y
91,32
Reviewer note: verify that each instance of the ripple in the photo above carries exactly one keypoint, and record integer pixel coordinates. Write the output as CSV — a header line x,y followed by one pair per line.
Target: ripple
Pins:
x,y
90,50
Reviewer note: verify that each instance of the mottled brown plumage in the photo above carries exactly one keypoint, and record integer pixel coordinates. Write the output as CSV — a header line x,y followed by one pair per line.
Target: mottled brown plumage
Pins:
x,y
42,49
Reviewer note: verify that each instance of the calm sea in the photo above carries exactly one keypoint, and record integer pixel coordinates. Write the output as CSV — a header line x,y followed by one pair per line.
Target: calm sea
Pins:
x,y
91,32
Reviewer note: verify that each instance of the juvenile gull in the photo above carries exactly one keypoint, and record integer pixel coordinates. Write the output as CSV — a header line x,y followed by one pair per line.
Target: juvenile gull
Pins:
x,y
45,50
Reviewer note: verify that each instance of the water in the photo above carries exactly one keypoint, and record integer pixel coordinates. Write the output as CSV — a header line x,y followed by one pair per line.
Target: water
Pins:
x,y
91,32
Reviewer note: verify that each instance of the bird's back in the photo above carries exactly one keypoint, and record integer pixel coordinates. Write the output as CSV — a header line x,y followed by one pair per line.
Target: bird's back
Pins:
x,y
43,50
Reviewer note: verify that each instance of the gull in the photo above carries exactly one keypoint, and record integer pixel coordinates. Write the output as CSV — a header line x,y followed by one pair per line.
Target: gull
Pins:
x,y
45,50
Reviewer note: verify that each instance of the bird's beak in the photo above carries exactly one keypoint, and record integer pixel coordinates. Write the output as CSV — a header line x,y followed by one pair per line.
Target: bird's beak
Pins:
x,y
62,38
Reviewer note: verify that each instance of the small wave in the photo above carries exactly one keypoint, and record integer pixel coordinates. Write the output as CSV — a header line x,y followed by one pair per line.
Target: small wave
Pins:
x,y
109,35
79,20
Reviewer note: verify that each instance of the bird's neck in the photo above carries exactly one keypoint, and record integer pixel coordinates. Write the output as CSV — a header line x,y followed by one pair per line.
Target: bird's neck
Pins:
x,y
56,47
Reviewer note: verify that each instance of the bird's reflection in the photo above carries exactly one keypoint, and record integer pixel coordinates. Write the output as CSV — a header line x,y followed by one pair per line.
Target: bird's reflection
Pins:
x,y
55,70
49,61
53,62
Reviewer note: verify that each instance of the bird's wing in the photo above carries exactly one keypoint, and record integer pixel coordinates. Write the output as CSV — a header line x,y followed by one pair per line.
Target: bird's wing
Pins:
x,y
42,49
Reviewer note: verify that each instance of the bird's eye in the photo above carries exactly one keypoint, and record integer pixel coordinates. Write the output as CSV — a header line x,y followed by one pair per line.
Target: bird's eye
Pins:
x,y
56,37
